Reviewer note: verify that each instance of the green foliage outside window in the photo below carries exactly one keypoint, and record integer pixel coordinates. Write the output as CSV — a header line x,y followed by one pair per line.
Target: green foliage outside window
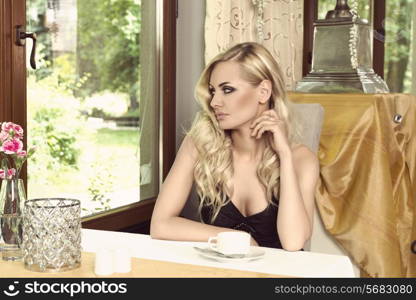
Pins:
x,y
108,46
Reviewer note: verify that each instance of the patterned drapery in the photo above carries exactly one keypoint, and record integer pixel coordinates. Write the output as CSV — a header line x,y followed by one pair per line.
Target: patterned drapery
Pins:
x,y
229,22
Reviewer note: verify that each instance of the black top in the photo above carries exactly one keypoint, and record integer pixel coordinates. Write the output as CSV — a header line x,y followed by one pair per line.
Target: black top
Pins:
x,y
261,226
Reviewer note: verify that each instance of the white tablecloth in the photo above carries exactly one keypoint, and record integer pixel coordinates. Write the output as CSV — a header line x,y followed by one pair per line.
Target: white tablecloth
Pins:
x,y
275,261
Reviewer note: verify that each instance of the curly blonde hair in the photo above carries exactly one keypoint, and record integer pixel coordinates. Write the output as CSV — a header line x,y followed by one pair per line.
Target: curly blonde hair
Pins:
x,y
214,168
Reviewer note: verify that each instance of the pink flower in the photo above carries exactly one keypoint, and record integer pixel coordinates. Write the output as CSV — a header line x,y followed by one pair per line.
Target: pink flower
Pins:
x,y
12,129
7,126
18,131
10,173
4,135
21,153
12,146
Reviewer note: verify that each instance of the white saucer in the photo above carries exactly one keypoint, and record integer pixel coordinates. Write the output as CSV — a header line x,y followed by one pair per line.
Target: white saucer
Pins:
x,y
255,253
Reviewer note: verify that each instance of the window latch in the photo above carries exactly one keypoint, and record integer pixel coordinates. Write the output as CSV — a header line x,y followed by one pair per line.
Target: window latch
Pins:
x,y
21,37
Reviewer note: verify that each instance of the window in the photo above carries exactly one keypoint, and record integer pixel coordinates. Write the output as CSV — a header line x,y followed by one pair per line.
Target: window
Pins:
x,y
399,46
95,94
83,100
365,8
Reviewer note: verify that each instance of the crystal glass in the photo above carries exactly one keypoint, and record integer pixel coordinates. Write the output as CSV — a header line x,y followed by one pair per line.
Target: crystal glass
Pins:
x,y
11,236
52,234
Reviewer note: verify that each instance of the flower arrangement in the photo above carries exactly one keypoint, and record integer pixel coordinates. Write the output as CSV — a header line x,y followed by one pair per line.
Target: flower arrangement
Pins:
x,y
11,149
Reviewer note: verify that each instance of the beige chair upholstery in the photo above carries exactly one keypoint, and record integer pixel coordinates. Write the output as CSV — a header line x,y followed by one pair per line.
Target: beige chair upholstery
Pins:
x,y
311,117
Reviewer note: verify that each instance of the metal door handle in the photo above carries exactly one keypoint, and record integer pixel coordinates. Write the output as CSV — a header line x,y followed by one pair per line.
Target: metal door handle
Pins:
x,y
21,37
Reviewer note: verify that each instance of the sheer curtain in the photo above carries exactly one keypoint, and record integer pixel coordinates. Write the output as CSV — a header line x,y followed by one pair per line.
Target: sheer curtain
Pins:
x,y
149,102
229,22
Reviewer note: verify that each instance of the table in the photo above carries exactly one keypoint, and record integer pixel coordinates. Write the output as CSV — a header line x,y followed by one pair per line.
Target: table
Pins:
x,y
145,268
367,190
158,258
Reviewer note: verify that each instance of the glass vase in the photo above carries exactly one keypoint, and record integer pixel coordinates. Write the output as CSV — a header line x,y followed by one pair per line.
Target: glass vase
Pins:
x,y
12,196
12,199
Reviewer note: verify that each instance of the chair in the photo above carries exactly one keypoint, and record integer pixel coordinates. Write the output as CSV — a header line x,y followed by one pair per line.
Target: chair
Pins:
x,y
311,117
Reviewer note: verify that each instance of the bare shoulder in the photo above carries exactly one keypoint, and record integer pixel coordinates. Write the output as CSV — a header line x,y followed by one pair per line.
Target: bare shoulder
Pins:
x,y
305,160
188,147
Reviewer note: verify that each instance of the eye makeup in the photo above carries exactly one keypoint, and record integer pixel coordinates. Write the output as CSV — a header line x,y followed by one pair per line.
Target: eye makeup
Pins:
x,y
226,90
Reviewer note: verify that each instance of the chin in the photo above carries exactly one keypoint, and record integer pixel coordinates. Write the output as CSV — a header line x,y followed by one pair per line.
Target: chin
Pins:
x,y
223,125
228,127
234,125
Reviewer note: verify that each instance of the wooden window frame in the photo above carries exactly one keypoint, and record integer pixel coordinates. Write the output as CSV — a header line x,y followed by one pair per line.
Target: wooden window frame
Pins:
x,y
310,13
13,103
378,45
12,67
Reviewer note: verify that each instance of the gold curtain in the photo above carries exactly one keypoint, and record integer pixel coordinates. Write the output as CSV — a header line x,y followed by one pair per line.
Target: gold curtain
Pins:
x,y
229,22
367,192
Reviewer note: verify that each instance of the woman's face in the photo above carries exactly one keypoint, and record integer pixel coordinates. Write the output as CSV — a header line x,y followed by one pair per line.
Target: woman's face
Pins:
x,y
234,100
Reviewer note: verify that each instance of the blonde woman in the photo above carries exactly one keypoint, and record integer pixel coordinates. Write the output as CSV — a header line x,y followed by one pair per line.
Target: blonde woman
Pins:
x,y
243,154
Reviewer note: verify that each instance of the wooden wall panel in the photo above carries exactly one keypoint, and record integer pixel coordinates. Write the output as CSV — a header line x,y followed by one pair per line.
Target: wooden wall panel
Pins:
x,y
5,61
12,63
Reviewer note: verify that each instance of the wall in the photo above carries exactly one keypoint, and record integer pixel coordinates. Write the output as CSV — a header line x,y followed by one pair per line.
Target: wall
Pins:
x,y
189,61
189,64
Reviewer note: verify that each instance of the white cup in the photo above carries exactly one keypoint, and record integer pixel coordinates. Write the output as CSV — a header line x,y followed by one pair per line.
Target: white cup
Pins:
x,y
231,243
104,262
122,260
